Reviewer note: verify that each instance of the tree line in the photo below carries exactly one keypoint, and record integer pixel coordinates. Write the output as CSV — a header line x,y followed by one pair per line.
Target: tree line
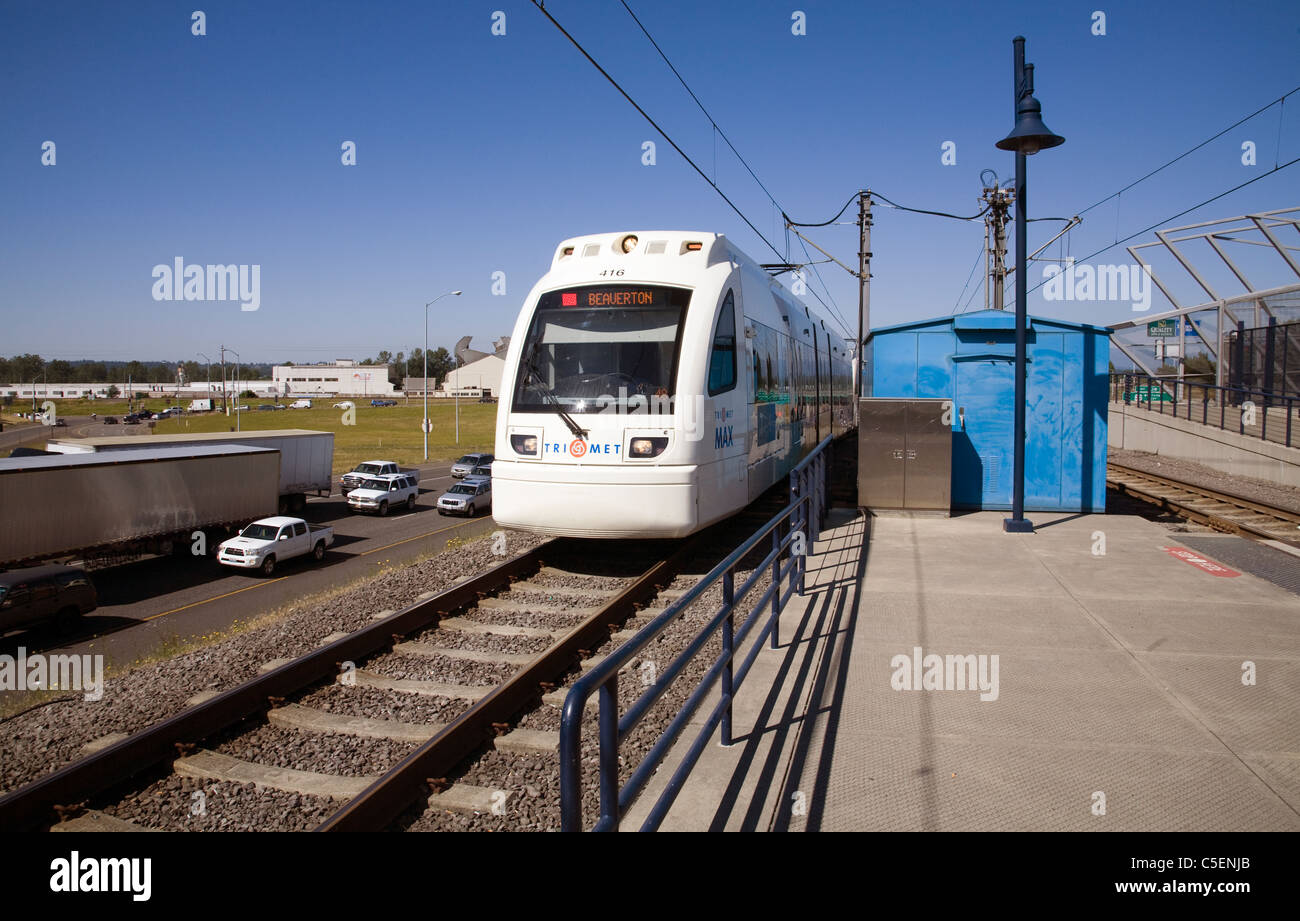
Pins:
x,y
23,369
441,363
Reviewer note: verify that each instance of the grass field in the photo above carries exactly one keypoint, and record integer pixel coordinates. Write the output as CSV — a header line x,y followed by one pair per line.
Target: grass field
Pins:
x,y
101,407
387,433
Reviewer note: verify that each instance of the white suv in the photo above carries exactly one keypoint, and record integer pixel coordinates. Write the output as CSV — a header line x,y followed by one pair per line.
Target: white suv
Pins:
x,y
380,493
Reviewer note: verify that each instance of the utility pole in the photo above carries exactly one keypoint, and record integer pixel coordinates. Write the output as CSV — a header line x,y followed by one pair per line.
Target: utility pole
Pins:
x,y
225,407
864,285
999,201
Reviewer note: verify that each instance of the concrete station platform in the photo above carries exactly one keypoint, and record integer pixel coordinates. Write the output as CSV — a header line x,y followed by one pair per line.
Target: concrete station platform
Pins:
x,y
1118,674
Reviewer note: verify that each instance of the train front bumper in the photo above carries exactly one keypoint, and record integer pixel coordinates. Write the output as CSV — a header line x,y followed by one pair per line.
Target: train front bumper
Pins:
x,y
595,500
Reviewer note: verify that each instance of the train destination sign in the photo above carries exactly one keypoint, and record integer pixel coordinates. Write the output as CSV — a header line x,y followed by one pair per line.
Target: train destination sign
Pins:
x,y
597,296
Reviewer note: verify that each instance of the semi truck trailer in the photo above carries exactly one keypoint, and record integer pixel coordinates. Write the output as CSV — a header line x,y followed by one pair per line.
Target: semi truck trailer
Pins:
x,y
306,456
148,500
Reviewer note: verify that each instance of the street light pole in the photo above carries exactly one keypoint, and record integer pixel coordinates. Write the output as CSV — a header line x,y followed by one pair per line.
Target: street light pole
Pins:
x,y
209,360
424,423
237,360
1028,137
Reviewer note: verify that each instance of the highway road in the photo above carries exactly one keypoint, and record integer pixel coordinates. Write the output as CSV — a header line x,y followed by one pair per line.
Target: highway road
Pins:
x,y
35,436
147,603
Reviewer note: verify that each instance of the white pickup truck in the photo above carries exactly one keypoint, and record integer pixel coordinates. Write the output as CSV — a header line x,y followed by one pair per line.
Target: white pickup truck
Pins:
x,y
355,477
268,542
380,493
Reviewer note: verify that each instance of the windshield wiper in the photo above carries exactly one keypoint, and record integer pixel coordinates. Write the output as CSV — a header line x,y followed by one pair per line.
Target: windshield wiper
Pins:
x,y
577,430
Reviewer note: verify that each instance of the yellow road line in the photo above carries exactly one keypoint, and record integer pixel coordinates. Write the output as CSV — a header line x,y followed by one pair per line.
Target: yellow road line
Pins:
x,y
215,598
273,581
416,537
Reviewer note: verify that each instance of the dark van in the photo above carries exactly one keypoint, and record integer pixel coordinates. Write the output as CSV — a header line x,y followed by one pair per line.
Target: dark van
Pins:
x,y
58,593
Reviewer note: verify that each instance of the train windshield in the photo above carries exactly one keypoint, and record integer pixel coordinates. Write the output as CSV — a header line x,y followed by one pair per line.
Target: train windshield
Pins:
x,y
598,348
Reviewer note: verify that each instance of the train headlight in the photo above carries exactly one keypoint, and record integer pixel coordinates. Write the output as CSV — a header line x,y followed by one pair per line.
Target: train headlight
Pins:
x,y
628,243
524,444
647,447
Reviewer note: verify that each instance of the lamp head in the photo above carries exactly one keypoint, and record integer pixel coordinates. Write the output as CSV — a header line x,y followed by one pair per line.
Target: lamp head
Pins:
x,y
1030,134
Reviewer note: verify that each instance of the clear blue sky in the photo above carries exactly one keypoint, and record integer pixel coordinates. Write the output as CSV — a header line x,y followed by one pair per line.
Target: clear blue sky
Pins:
x,y
478,153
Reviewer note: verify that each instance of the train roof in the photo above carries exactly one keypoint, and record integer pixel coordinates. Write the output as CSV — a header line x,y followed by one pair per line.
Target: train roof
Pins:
x,y
670,244
143,455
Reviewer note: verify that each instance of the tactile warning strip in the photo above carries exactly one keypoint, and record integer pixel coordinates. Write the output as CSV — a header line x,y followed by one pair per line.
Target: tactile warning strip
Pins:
x,y
1276,566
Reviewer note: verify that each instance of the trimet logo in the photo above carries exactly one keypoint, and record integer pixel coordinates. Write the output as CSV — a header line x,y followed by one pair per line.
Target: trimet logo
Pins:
x,y
579,448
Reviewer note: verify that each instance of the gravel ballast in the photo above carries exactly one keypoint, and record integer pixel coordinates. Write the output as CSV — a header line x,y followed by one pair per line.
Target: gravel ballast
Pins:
x,y
1284,497
38,741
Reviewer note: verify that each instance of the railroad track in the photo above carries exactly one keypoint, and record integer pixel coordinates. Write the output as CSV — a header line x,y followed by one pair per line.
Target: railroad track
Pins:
x,y
1222,511
465,663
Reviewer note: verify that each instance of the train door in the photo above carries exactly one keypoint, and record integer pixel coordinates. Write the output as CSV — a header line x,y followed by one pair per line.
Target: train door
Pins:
x,y
817,387
722,483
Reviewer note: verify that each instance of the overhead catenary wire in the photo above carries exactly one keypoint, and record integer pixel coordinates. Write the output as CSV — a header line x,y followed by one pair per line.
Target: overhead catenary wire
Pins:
x,y
890,204
969,276
707,114
1174,217
604,73
816,271
1185,153
831,308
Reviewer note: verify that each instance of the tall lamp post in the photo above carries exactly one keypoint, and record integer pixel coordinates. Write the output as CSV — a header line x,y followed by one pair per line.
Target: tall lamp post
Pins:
x,y
424,423
209,361
237,360
1028,137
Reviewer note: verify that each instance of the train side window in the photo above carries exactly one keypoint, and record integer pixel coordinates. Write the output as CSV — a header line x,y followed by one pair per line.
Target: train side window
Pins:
x,y
722,365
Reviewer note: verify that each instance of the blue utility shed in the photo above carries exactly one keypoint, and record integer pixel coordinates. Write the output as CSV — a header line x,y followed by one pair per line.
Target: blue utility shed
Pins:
x,y
970,359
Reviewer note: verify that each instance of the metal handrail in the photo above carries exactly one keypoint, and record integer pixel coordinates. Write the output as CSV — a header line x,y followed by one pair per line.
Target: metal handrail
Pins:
x,y
804,515
1139,389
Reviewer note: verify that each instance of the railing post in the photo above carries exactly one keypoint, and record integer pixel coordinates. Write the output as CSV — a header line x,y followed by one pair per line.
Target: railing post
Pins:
x,y
800,557
570,780
608,735
1289,411
825,474
776,584
728,640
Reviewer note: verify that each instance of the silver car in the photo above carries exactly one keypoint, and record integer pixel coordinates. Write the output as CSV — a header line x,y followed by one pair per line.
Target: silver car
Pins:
x,y
465,466
468,497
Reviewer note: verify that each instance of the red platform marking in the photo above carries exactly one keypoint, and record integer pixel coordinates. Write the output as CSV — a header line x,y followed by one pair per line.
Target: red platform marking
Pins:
x,y
1200,562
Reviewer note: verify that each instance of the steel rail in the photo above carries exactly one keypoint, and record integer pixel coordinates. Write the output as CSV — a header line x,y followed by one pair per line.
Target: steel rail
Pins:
x,y
1202,516
383,801
34,804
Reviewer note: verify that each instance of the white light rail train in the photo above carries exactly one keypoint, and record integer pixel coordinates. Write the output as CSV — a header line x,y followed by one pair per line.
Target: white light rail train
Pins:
x,y
657,382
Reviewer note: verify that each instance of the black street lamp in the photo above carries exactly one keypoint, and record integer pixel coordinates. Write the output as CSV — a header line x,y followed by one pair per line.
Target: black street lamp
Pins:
x,y
1028,137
